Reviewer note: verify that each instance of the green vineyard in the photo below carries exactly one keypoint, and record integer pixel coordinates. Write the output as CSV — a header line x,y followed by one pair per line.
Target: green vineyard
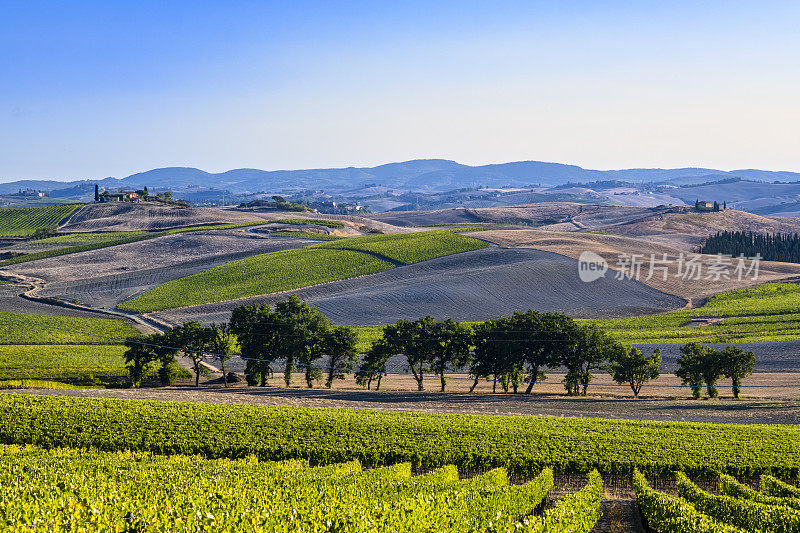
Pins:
x,y
293,269
66,490
61,349
23,328
260,274
738,508
314,221
24,221
76,364
410,248
471,442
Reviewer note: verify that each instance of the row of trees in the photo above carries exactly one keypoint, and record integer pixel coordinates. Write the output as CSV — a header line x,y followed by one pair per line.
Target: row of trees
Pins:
x,y
771,247
294,333
700,364
509,351
158,351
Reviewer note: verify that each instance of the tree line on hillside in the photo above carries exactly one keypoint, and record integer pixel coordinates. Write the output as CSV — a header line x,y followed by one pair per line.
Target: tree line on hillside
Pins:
x,y
512,352
772,247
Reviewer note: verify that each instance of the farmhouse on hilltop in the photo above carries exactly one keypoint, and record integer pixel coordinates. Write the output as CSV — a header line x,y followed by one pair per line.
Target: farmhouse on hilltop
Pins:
x,y
121,196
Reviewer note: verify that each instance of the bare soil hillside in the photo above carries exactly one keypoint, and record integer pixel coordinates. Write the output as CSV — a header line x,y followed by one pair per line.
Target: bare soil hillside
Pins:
x,y
610,248
105,277
690,222
137,217
149,216
476,285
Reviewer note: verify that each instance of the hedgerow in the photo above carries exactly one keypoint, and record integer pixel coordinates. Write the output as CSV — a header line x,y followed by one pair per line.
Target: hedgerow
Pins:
x,y
324,436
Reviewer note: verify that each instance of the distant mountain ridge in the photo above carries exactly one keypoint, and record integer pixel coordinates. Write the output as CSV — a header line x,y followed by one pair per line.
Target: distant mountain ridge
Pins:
x,y
419,174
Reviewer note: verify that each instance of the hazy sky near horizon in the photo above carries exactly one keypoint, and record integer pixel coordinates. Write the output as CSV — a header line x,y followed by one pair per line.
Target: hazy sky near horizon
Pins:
x,y
96,89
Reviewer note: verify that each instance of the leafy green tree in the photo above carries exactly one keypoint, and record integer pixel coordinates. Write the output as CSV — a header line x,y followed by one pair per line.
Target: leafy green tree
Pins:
x,y
137,357
691,366
712,366
414,341
373,364
256,330
497,354
540,340
340,347
629,365
589,348
450,347
219,341
736,365
302,333
165,347
191,338
484,360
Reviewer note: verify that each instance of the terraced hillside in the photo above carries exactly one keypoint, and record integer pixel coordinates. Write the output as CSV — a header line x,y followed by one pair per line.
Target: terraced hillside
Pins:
x,y
24,221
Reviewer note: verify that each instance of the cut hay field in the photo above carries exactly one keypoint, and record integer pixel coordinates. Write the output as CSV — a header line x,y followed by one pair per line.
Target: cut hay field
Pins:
x,y
24,221
312,265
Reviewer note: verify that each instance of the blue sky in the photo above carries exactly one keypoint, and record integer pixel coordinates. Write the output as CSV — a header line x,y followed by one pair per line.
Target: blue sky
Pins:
x,y
95,89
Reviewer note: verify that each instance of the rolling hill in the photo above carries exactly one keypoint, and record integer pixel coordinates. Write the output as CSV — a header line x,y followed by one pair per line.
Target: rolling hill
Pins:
x,y
419,174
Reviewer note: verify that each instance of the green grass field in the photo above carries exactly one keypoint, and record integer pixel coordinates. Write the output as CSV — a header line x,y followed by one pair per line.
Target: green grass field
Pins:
x,y
293,269
23,221
75,364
